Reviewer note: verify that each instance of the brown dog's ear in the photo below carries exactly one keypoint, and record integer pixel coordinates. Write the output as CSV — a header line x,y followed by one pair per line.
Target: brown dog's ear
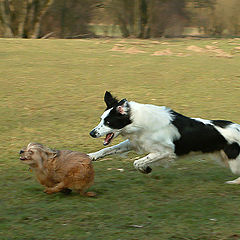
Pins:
x,y
110,100
51,154
30,151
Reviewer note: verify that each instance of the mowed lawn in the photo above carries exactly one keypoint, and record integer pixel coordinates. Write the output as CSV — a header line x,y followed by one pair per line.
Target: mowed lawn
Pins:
x,y
52,92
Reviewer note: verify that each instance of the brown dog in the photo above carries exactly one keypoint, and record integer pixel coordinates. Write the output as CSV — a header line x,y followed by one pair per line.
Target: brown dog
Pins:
x,y
59,170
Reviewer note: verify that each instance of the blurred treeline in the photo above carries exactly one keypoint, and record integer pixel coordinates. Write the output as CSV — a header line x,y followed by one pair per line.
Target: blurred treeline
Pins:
x,y
135,18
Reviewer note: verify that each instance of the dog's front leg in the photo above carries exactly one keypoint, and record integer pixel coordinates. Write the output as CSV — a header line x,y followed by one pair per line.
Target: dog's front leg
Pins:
x,y
143,164
236,181
57,188
116,149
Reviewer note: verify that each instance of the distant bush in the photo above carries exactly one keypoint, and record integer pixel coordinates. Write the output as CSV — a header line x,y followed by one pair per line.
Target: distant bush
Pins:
x,y
219,18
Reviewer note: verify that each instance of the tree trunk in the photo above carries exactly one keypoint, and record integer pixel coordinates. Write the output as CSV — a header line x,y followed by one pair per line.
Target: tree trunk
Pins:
x,y
63,18
123,27
6,18
39,16
143,18
137,18
23,19
148,26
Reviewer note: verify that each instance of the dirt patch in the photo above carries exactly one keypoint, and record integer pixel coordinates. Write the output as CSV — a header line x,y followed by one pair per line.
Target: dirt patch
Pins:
x,y
196,49
221,53
122,48
210,49
144,44
168,52
182,54
165,43
118,48
119,45
133,50
165,52
103,41
155,42
123,41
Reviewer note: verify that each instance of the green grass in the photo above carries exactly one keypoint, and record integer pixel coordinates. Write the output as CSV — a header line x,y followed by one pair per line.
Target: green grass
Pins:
x,y
52,92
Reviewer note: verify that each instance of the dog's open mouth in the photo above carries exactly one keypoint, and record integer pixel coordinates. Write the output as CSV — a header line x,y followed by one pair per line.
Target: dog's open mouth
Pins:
x,y
22,158
108,138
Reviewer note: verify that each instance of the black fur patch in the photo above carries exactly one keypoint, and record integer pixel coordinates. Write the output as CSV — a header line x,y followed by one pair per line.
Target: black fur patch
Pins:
x,y
110,100
221,123
232,150
116,120
196,136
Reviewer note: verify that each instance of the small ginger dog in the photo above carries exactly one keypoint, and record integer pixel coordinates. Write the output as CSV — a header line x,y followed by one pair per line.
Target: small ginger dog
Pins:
x,y
59,170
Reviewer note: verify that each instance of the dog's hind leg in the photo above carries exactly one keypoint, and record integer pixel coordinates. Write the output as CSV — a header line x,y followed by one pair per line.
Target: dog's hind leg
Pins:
x,y
224,158
234,165
116,149
87,194
57,188
143,164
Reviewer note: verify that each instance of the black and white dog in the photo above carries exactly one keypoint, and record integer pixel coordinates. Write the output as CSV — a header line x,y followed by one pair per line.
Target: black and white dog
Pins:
x,y
165,134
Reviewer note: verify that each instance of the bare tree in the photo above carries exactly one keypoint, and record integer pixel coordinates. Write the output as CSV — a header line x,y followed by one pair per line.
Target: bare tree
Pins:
x,y
33,13
6,17
23,18
70,18
148,18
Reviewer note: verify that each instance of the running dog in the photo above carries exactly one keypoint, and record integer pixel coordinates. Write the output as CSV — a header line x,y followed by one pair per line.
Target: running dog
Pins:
x,y
59,170
165,134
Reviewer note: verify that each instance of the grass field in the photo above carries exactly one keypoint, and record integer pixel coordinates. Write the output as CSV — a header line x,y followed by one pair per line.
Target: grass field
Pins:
x,y
52,92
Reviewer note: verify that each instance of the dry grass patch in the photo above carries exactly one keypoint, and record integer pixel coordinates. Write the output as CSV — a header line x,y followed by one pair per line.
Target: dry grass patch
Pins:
x,y
210,49
122,48
165,52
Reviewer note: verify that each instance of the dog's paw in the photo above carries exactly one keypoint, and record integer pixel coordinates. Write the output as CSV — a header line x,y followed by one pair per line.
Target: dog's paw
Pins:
x,y
148,169
232,182
142,168
145,170
90,194
93,156
235,181
48,191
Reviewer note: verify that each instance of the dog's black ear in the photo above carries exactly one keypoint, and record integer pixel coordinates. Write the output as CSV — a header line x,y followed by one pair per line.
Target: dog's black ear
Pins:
x,y
110,100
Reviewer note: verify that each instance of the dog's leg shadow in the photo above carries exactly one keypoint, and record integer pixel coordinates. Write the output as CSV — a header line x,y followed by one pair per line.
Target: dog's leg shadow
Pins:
x,y
66,191
236,181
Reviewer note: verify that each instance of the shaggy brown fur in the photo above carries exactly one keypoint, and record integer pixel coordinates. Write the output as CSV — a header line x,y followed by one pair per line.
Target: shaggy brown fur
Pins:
x,y
59,170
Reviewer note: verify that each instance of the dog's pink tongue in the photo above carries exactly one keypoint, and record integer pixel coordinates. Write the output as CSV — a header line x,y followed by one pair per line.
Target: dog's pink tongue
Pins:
x,y
107,139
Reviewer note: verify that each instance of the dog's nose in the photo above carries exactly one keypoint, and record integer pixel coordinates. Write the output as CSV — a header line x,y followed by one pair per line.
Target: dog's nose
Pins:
x,y
21,151
93,133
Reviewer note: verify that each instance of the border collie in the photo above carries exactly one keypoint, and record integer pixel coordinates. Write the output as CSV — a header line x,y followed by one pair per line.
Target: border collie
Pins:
x,y
165,134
